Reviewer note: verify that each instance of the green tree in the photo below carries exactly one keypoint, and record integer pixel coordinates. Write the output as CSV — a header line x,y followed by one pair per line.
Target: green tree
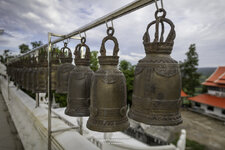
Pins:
x,y
128,71
94,65
36,44
6,55
24,48
190,76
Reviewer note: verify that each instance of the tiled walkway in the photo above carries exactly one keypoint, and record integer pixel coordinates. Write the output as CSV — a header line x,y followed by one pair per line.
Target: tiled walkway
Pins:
x,y
9,139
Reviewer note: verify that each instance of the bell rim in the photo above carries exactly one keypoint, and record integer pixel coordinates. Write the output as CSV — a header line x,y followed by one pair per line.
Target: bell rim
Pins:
x,y
103,128
75,114
142,119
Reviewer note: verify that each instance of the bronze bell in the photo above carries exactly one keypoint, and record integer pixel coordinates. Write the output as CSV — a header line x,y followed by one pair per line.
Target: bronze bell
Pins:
x,y
157,84
42,72
54,68
21,72
108,92
78,100
17,78
25,70
29,74
64,69
34,75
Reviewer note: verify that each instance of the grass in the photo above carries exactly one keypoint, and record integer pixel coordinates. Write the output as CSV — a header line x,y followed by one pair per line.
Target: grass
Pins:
x,y
191,145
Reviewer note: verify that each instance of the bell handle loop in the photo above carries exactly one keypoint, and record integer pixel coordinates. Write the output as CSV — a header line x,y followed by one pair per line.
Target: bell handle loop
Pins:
x,y
158,11
171,36
77,52
62,51
112,38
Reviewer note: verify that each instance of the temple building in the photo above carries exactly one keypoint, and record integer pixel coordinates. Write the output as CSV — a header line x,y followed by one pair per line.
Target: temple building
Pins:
x,y
213,102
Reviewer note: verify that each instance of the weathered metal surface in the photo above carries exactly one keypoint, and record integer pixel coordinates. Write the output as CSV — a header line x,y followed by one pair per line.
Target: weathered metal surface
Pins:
x,y
157,85
108,93
64,69
34,75
42,72
78,100
54,68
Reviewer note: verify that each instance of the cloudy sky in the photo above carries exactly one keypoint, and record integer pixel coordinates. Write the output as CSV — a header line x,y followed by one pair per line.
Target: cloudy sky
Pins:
x,y
201,22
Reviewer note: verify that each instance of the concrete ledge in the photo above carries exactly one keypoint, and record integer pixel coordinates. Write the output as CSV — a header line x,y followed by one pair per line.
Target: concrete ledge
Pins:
x,y
32,123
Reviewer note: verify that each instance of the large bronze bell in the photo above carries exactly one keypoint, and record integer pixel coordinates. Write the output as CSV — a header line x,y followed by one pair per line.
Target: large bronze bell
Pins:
x,y
108,92
54,68
42,72
157,84
64,69
78,100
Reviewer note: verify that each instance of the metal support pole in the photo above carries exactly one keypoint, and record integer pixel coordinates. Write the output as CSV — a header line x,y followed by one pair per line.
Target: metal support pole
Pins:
x,y
49,92
131,7
81,125
37,100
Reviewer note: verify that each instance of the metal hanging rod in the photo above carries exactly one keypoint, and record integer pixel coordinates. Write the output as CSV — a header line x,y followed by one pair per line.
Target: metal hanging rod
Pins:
x,y
133,6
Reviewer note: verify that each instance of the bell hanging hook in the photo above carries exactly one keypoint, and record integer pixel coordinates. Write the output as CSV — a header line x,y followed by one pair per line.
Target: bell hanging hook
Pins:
x,y
107,24
156,5
83,38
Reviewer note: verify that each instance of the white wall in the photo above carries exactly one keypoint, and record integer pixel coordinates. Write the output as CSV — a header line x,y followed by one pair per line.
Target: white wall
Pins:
x,y
31,124
217,111
217,93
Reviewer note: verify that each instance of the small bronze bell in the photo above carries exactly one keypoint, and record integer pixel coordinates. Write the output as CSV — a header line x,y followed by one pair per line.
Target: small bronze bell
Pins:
x,y
29,74
78,100
54,68
157,84
64,69
21,73
25,73
108,92
17,72
34,75
42,72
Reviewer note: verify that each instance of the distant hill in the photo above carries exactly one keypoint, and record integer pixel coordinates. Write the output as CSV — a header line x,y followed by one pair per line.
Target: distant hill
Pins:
x,y
206,71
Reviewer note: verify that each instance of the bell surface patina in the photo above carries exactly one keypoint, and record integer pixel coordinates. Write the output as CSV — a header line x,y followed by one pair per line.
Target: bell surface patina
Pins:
x,y
157,84
34,75
78,99
42,72
25,73
108,105
29,74
54,68
64,69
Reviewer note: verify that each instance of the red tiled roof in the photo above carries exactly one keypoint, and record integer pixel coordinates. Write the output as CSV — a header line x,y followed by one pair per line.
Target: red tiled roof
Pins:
x,y
217,78
209,100
221,79
183,94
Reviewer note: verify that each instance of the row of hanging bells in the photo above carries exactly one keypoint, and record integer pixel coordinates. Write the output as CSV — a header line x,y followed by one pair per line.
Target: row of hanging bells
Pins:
x,y
101,95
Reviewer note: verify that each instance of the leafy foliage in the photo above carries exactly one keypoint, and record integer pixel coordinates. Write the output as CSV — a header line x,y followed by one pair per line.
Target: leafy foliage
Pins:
x,y
36,44
128,71
190,76
61,99
94,65
24,48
